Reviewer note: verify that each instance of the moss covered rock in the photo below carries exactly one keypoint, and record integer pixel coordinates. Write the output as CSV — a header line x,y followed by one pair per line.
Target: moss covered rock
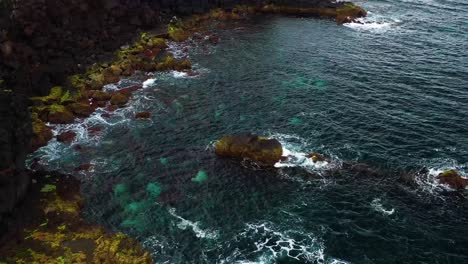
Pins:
x,y
58,234
100,95
349,12
264,151
178,34
453,179
119,99
54,97
41,133
81,109
59,114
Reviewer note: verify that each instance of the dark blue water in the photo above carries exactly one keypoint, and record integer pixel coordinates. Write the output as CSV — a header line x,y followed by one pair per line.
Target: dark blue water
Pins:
x,y
390,95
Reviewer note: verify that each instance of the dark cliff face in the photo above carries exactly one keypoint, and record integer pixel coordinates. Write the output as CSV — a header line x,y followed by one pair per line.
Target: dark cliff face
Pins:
x,y
15,134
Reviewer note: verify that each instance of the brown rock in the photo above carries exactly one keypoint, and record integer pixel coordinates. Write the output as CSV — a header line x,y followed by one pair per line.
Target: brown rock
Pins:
x,y
129,90
100,95
214,39
264,151
66,137
143,115
81,109
58,114
119,99
112,108
453,179
41,134
316,157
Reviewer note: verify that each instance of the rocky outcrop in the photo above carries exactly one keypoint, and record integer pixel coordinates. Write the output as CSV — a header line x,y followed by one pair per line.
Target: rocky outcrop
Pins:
x,y
453,179
263,151
48,228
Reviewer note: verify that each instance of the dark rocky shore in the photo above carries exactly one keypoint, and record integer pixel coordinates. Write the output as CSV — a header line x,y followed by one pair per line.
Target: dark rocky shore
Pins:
x,y
43,43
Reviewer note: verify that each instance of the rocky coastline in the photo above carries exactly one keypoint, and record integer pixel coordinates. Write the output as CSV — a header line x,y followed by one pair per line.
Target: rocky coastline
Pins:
x,y
57,55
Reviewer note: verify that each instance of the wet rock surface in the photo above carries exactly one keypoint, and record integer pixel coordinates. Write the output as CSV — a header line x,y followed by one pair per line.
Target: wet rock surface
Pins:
x,y
453,179
264,151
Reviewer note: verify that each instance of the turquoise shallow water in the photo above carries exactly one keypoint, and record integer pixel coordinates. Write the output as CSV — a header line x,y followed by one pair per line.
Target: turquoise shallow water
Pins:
x,y
390,95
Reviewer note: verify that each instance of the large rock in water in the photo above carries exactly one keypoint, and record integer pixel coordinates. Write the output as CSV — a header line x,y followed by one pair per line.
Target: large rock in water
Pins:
x,y
453,179
264,151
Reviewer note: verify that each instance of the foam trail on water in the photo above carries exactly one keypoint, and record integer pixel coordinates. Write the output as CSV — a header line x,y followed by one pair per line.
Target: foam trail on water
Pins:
x,y
376,204
200,233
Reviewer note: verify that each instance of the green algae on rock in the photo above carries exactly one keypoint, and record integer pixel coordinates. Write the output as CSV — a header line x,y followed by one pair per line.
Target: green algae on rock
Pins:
x,y
119,99
41,133
453,179
59,235
264,151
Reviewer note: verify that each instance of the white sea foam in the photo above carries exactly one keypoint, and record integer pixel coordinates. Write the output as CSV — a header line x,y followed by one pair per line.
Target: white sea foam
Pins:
x,y
178,74
374,23
429,182
271,244
369,26
200,233
376,204
294,148
149,83
178,49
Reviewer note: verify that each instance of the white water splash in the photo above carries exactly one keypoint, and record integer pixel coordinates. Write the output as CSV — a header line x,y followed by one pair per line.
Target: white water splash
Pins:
x,y
374,23
293,149
149,83
178,74
178,50
200,233
376,204
429,182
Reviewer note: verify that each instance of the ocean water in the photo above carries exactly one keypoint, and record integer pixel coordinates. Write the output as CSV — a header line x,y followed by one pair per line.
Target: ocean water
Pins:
x,y
383,99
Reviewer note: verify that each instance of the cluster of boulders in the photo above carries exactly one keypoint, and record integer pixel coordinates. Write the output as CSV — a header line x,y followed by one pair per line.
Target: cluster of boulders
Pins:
x,y
62,106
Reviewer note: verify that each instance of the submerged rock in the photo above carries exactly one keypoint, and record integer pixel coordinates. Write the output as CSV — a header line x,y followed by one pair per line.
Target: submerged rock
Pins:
x,y
316,157
453,179
66,137
143,115
262,150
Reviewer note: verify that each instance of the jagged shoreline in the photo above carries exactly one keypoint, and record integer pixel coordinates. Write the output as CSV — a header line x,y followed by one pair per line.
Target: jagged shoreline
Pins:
x,y
80,94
